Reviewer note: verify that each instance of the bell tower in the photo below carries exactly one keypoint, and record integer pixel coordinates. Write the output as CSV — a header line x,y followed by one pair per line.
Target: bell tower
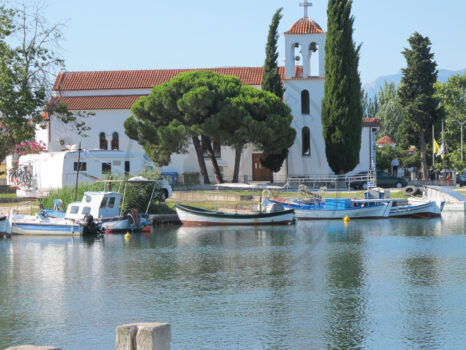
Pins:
x,y
305,48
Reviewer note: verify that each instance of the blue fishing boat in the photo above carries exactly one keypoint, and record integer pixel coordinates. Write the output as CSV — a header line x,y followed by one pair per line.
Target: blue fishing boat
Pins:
x,y
335,208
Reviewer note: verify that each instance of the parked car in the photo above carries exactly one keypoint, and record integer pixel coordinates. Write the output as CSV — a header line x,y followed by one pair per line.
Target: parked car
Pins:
x,y
461,178
384,179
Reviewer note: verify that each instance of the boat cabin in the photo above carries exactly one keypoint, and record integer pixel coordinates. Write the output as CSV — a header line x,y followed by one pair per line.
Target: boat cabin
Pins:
x,y
97,204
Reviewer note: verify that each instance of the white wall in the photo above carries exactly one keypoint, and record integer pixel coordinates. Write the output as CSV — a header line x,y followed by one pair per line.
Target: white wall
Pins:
x,y
107,121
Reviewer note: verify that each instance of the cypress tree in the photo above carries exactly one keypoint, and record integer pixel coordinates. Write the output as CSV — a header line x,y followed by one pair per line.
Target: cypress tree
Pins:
x,y
416,95
341,106
271,80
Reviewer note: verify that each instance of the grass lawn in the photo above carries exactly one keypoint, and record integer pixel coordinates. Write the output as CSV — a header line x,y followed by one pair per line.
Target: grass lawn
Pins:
x,y
165,208
7,195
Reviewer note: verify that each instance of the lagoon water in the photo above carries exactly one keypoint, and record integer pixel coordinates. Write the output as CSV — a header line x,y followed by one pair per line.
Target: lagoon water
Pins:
x,y
373,284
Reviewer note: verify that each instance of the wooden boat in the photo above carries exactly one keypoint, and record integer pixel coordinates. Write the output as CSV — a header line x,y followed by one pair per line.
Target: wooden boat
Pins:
x,y
417,209
414,208
192,216
336,208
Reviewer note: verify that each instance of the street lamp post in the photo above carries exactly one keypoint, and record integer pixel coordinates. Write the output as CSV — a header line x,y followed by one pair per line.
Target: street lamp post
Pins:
x,y
461,128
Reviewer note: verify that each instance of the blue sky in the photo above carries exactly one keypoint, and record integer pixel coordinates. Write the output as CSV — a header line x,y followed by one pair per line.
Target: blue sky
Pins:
x,y
156,34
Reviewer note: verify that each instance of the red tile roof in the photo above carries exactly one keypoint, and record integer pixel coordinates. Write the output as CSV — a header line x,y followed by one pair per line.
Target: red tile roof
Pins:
x,y
89,103
386,140
369,122
305,26
145,79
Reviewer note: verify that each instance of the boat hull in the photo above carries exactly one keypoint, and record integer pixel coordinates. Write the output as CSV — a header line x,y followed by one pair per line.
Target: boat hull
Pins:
x,y
375,212
417,209
190,216
310,212
45,229
124,224
42,225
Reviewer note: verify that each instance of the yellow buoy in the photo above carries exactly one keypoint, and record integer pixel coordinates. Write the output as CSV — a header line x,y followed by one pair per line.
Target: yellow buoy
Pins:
x,y
128,235
346,219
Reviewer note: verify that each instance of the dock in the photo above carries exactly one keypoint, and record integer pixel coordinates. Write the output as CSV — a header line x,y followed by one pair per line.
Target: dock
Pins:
x,y
164,219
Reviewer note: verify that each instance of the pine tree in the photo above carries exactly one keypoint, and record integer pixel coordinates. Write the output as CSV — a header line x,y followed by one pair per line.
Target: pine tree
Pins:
x,y
271,80
416,95
341,106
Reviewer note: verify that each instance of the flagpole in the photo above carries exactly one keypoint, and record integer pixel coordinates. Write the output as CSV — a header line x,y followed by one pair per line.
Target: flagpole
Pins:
x,y
443,144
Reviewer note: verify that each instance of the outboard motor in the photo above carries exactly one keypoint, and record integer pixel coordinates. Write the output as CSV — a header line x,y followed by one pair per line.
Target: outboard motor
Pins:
x,y
90,227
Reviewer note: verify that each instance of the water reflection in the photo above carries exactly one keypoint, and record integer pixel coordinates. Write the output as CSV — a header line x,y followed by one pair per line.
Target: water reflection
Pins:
x,y
369,284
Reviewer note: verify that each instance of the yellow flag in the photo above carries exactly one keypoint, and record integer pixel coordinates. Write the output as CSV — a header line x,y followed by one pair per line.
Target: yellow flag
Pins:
x,y
436,147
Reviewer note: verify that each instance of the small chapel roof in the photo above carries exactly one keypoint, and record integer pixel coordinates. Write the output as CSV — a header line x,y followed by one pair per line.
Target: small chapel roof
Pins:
x,y
386,140
305,26
145,79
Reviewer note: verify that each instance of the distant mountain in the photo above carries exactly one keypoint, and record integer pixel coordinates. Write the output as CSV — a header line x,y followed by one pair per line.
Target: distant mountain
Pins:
x,y
373,88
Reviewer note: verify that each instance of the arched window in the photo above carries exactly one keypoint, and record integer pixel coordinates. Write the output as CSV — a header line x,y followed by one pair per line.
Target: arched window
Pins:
x,y
305,102
306,138
115,142
103,144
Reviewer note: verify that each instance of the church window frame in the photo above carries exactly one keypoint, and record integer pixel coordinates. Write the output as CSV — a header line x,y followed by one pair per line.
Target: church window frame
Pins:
x,y
306,141
305,102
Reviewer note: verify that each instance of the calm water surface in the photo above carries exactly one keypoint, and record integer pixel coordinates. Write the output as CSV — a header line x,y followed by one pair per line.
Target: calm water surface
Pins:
x,y
375,284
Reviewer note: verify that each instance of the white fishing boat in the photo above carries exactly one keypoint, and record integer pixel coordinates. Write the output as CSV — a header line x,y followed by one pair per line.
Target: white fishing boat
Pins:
x,y
336,208
42,224
192,216
415,207
104,206
418,208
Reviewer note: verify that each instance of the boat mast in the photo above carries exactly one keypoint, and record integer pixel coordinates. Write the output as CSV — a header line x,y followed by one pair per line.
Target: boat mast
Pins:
x,y
77,173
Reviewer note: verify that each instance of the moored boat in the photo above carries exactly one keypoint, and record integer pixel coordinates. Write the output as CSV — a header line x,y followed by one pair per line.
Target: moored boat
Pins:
x,y
42,224
104,206
418,209
192,216
336,208
414,207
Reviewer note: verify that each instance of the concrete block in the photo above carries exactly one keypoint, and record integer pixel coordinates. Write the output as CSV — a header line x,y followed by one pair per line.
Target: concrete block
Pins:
x,y
143,336
32,347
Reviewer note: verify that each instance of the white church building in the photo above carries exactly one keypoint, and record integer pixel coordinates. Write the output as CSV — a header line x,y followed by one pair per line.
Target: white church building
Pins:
x,y
109,95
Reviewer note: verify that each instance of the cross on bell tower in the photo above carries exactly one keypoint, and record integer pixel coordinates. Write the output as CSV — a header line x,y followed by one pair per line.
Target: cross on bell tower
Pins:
x,y
305,4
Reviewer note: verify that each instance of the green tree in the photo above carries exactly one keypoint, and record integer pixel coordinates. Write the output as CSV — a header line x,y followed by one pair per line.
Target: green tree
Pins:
x,y
452,97
179,111
370,106
20,102
416,96
271,80
390,111
28,61
254,117
341,106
